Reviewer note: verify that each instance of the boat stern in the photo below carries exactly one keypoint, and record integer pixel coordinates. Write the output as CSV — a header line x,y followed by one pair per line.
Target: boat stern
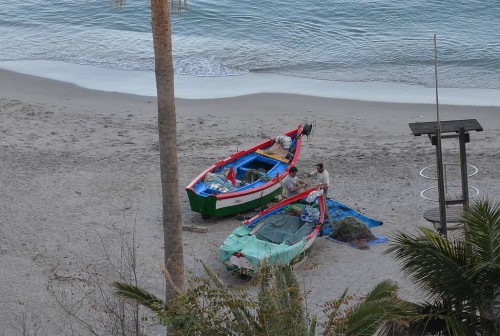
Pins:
x,y
204,205
238,263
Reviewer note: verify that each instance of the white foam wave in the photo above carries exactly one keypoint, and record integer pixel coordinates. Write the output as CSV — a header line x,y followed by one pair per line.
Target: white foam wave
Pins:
x,y
191,87
208,67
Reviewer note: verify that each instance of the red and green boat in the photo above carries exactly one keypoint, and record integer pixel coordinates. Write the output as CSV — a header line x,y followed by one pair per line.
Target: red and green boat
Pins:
x,y
248,178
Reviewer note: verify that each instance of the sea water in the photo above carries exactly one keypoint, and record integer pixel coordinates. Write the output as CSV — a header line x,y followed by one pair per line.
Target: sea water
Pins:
x,y
357,49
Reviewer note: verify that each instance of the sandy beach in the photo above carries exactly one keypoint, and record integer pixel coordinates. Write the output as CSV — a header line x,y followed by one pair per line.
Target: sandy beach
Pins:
x,y
79,169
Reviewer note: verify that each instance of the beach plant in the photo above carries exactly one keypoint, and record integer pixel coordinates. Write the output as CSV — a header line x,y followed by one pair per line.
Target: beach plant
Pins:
x,y
460,276
209,307
380,312
85,301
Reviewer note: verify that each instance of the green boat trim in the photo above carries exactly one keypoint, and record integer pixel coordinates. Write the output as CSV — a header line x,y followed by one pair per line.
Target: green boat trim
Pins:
x,y
211,206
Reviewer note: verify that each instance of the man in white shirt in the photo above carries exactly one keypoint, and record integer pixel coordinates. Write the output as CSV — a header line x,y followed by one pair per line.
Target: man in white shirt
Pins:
x,y
322,178
292,183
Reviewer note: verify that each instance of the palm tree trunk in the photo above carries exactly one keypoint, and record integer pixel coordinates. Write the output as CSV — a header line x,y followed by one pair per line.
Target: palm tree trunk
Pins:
x,y
172,220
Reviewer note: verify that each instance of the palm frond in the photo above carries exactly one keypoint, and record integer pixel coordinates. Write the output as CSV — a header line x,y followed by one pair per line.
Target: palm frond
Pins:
x,y
482,231
383,290
280,302
377,312
455,326
460,275
366,318
436,265
140,295
436,318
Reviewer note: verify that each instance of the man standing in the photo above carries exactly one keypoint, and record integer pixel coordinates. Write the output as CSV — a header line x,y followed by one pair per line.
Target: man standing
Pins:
x,y
322,178
292,183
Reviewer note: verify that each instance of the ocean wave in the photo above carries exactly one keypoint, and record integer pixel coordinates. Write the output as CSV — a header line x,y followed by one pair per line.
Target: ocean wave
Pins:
x,y
337,40
208,67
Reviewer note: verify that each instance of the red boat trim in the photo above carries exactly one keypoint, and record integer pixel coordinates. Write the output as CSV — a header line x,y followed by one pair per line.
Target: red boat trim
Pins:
x,y
239,154
290,200
322,209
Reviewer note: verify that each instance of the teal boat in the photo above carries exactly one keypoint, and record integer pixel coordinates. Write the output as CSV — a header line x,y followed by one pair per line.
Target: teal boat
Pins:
x,y
282,234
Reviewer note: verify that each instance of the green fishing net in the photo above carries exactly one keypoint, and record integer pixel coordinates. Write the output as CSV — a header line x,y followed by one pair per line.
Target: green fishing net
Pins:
x,y
352,230
252,175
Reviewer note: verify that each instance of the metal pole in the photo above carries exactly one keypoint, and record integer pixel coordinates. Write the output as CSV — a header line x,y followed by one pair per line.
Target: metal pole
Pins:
x,y
439,153
463,168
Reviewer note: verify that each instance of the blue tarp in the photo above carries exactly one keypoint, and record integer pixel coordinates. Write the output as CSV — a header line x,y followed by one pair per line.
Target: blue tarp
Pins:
x,y
338,211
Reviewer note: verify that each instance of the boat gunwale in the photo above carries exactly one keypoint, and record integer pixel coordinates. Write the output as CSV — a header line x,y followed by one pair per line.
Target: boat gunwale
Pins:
x,y
302,195
239,154
309,239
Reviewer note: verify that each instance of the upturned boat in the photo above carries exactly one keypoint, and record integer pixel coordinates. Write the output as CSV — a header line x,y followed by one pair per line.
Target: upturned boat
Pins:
x,y
247,179
281,235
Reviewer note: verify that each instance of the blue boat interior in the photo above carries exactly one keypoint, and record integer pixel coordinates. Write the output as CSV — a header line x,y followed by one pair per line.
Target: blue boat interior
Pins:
x,y
264,167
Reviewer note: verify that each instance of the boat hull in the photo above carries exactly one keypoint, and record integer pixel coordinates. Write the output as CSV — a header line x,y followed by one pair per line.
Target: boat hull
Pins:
x,y
244,252
212,206
243,266
225,201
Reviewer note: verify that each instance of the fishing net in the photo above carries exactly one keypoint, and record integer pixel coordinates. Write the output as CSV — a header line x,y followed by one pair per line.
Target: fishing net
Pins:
x,y
252,175
218,183
353,231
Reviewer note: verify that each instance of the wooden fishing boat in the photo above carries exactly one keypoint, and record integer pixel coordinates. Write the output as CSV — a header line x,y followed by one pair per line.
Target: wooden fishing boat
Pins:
x,y
248,178
282,234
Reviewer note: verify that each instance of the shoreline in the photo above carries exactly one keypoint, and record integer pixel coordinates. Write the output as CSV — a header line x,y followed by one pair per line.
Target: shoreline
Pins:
x,y
192,87
79,168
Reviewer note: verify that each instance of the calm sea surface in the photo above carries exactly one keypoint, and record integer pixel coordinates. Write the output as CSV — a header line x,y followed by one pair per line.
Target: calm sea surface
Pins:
x,y
348,41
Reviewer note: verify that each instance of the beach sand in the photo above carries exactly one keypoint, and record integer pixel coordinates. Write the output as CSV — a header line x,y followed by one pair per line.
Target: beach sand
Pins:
x,y
80,168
